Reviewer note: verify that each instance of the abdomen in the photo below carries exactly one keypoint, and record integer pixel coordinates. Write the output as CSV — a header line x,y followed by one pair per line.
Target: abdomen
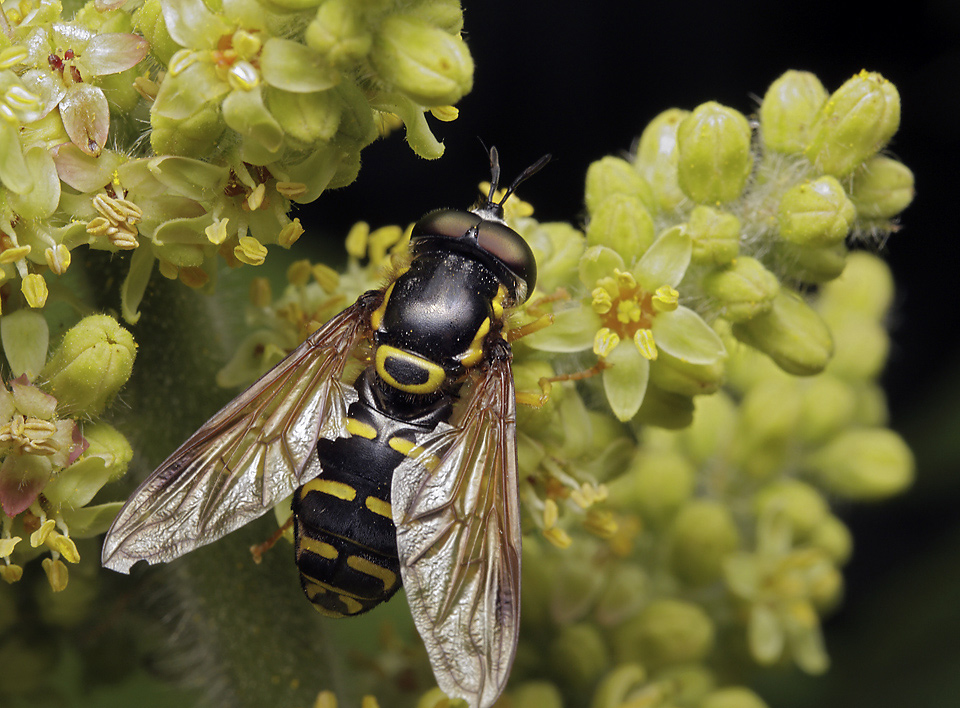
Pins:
x,y
346,543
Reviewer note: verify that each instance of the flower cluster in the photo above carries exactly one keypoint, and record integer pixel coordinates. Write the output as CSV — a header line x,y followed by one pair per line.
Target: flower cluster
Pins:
x,y
252,106
711,229
54,458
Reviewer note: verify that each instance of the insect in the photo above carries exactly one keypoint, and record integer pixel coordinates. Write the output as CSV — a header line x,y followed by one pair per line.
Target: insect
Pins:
x,y
406,475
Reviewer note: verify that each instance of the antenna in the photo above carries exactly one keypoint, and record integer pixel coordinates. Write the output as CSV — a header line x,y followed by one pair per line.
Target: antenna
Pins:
x,y
522,177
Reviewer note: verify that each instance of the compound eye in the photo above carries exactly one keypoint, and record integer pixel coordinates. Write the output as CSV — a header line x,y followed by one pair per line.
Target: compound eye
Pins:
x,y
451,223
510,249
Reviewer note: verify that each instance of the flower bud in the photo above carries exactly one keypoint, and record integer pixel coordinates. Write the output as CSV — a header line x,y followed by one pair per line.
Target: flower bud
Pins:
x,y
666,632
91,365
712,430
558,247
829,404
833,538
339,32
610,176
536,694
655,484
816,213
195,136
768,417
656,157
306,117
617,686
715,235
810,264
865,289
703,534
882,188
148,20
788,110
622,223
675,375
804,506
864,464
855,123
733,697
714,159
791,333
744,289
871,409
430,66
862,348
578,656
623,592
664,409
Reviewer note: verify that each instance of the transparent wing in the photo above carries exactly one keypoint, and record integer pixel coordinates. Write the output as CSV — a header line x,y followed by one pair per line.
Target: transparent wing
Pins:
x,y
246,458
456,509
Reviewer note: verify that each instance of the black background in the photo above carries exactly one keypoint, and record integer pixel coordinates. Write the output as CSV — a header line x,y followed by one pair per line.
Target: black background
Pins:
x,y
580,80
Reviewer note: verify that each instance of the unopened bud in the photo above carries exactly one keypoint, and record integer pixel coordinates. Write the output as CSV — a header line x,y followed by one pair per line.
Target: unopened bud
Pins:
x,y
714,158
788,111
91,365
855,123
791,333
816,213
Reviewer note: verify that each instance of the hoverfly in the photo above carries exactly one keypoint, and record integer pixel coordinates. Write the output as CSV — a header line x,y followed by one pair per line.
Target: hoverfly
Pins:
x,y
396,477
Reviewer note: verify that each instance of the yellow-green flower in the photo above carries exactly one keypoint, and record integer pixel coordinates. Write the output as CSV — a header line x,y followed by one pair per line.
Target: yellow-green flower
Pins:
x,y
632,314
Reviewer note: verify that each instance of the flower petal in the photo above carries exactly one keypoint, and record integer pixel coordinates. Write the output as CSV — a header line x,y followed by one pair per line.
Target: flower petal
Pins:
x,y
764,635
114,52
25,336
625,380
245,112
666,260
295,67
31,401
83,172
182,95
191,24
91,520
599,262
419,136
14,174
41,201
684,335
572,331
86,117
22,478
45,87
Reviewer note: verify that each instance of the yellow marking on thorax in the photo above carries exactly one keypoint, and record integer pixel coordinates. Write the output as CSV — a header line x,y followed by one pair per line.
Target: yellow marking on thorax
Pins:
x,y
475,351
331,487
362,565
435,375
376,317
379,506
361,429
409,449
324,550
498,302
